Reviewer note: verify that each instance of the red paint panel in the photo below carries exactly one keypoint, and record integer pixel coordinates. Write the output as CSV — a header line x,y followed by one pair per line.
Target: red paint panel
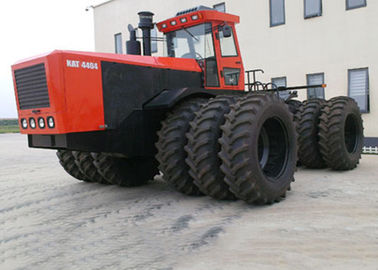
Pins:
x,y
229,61
55,85
75,87
203,16
83,93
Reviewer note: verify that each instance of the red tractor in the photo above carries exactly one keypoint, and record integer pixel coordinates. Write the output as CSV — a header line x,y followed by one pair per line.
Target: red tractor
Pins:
x,y
120,119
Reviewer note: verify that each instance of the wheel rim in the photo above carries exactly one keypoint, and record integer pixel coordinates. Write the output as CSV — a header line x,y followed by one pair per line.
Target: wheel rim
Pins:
x,y
351,136
263,148
273,148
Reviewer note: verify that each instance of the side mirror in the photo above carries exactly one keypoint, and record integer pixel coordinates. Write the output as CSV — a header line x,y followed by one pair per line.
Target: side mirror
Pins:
x,y
227,31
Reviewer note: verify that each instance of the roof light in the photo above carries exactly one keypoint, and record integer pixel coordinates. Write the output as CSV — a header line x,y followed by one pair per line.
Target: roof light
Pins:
x,y
164,25
183,20
195,17
173,23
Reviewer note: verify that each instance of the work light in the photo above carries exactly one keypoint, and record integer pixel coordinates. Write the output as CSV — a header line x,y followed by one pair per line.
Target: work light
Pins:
x,y
50,122
41,122
24,123
32,123
195,17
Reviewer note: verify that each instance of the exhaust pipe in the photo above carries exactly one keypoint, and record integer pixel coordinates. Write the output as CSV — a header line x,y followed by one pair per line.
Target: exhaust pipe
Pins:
x,y
146,24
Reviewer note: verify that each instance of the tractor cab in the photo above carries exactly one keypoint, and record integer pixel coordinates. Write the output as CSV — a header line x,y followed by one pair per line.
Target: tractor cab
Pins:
x,y
209,37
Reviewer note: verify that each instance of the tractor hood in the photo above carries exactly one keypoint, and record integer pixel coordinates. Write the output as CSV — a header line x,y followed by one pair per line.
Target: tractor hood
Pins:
x,y
69,87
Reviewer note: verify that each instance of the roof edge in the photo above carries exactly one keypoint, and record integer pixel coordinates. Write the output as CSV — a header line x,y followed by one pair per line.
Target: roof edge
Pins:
x,y
101,4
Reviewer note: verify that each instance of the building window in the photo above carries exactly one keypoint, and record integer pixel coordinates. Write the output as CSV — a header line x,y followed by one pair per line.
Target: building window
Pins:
x,y
277,12
315,79
281,82
351,4
220,7
358,87
118,43
154,45
312,8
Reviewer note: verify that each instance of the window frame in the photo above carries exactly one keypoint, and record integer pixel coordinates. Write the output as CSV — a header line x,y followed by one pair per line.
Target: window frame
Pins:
x,y
307,81
359,6
220,4
312,15
233,38
115,43
284,14
216,62
226,69
367,94
283,94
277,78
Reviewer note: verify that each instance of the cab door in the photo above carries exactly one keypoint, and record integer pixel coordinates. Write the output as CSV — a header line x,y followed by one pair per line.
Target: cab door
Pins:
x,y
230,65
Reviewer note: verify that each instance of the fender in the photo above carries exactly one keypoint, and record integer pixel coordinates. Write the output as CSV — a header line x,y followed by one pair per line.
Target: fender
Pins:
x,y
168,98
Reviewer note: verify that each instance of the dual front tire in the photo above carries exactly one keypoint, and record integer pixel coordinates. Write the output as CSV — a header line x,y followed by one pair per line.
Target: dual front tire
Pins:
x,y
259,149
106,169
234,148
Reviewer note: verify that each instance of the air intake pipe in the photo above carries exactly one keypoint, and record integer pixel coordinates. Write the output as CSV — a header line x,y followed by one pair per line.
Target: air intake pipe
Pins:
x,y
146,24
132,45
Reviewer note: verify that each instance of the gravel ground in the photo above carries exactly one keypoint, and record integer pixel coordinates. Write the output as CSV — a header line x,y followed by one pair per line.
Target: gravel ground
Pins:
x,y
48,220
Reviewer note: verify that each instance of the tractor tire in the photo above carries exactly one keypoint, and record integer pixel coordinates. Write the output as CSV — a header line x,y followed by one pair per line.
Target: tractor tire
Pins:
x,y
203,147
294,105
172,140
67,160
259,149
85,163
308,139
341,133
126,172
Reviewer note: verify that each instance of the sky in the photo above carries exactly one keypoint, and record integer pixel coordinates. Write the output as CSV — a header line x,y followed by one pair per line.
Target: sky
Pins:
x,y
32,27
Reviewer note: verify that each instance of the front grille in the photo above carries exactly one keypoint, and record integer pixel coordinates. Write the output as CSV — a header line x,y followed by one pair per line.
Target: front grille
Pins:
x,y
32,87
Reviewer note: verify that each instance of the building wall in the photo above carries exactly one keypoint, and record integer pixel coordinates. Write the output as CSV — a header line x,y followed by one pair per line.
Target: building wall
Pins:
x,y
338,40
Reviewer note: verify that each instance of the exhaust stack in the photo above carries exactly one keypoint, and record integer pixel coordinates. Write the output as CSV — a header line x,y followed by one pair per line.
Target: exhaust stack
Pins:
x,y
146,24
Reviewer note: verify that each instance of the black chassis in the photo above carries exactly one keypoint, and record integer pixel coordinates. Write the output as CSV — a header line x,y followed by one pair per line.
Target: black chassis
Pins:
x,y
136,100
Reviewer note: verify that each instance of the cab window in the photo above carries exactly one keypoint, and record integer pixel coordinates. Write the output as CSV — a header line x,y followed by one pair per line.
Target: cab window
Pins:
x,y
227,44
193,42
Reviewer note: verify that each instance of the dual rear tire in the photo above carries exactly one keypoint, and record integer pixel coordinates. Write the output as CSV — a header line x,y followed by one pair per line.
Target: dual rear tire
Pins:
x,y
341,135
308,139
330,134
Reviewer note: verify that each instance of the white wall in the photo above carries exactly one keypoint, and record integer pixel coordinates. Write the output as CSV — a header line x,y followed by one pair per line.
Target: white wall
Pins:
x,y
338,40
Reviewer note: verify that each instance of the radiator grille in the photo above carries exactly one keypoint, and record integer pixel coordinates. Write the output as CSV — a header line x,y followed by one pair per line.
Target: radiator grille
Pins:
x,y
32,87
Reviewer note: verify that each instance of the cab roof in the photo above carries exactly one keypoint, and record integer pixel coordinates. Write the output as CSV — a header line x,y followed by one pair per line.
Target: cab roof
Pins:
x,y
196,17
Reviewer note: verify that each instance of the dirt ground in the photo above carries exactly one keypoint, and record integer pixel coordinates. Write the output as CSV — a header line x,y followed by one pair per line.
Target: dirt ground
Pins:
x,y
49,220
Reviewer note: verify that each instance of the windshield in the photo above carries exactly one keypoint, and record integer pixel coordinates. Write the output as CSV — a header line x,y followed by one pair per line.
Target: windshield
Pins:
x,y
192,42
